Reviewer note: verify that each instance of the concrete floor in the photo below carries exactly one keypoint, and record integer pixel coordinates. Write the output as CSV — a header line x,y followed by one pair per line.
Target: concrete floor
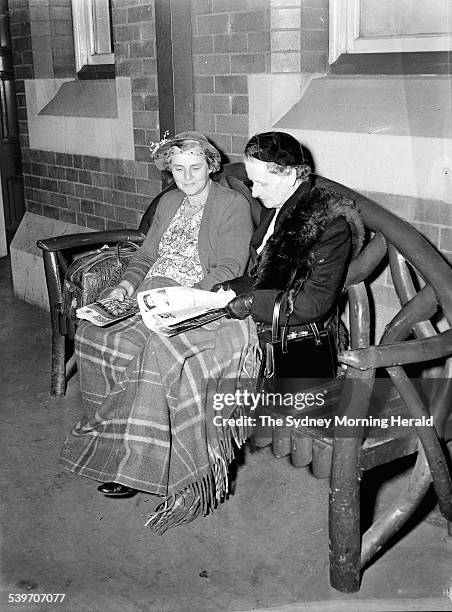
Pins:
x,y
265,548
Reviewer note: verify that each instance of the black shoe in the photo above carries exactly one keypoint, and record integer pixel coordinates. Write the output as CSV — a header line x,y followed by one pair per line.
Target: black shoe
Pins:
x,y
114,489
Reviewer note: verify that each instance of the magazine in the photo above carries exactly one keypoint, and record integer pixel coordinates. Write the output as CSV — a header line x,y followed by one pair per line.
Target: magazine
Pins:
x,y
105,312
173,310
167,310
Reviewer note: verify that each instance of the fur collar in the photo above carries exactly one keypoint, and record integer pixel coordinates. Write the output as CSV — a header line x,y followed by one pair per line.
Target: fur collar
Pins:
x,y
289,255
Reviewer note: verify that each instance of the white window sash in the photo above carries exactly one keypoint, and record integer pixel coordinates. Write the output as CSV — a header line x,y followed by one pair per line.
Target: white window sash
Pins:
x,y
91,32
345,35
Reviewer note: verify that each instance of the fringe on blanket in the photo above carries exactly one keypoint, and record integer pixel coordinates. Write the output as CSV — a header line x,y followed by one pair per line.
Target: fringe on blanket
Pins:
x,y
203,496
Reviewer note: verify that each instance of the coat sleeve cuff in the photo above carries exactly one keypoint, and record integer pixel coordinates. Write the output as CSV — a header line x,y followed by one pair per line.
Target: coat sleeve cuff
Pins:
x,y
241,284
263,303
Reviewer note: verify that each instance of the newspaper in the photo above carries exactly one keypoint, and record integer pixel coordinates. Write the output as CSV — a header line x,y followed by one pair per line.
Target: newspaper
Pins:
x,y
173,310
167,310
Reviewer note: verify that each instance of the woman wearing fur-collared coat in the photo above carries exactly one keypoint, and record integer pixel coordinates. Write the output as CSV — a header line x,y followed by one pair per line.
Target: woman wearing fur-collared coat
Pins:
x,y
304,242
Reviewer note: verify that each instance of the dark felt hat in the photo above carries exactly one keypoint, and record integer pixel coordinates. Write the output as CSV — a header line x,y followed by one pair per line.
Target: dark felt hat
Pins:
x,y
277,147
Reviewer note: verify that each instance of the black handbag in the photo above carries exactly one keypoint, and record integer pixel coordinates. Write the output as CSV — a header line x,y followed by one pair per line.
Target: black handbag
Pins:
x,y
90,274
296,361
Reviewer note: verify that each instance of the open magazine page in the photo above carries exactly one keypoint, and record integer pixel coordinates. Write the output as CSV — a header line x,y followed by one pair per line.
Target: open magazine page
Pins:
x,y
105,312
181,298
171,310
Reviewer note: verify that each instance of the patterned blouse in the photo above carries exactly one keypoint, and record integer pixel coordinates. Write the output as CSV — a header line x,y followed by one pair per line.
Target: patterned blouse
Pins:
x,y
178,256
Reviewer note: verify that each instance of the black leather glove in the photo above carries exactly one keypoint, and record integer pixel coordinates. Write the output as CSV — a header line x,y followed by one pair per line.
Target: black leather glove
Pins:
x,y
218,286
240,306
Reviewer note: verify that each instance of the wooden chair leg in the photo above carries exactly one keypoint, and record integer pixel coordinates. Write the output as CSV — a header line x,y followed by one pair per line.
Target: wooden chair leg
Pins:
x,y
389,523
344,517
300,449
58,372
321,459
344,498
58,367
263,435
281,441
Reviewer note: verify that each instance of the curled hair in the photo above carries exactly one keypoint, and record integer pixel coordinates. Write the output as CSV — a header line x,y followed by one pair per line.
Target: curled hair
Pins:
x,y
187,146
252,148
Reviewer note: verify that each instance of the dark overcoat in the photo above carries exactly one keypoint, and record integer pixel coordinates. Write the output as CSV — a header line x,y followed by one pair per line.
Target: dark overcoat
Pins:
x,y
316,233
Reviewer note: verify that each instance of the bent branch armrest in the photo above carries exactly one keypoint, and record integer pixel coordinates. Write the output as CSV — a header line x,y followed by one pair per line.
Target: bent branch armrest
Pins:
x,y
366,262
71,241
399,353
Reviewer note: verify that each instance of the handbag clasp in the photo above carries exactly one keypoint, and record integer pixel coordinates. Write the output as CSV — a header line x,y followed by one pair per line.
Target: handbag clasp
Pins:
x,y
275,326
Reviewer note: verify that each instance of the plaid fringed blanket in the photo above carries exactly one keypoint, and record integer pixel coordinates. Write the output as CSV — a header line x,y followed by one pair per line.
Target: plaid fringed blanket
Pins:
x,y
150,411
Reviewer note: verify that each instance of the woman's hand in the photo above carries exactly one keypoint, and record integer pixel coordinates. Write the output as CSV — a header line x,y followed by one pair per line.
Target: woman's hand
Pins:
x,y
114,293
240,307
218,286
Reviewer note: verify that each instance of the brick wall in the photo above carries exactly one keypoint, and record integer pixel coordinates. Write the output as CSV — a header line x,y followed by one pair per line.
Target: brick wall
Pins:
x,y
314,35
89,191
134,46
231,38
234,38
431,217
93,192
60,17
19,17
53,42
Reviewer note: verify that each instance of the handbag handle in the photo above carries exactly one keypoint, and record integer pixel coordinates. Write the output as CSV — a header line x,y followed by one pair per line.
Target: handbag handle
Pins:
x,y
118,247
275,317
275,325
269,355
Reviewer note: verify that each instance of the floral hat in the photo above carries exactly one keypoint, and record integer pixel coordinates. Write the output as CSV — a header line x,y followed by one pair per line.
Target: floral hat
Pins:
x,y
161,151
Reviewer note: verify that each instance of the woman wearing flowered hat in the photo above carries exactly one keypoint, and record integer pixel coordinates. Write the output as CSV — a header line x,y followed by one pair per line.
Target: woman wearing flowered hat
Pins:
x,y
130,376
201,231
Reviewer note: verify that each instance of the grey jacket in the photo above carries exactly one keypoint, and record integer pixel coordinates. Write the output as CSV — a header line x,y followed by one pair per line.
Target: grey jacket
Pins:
x,y
223,241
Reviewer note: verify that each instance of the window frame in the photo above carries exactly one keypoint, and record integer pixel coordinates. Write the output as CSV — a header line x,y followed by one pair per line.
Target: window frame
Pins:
x,y
344,36
88,63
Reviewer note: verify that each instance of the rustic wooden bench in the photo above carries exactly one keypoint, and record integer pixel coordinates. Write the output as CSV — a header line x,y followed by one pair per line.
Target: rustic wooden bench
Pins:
x,y
423,282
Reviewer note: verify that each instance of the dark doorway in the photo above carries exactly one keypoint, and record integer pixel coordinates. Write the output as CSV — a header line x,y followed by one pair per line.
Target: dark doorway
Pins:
x,y
10,165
